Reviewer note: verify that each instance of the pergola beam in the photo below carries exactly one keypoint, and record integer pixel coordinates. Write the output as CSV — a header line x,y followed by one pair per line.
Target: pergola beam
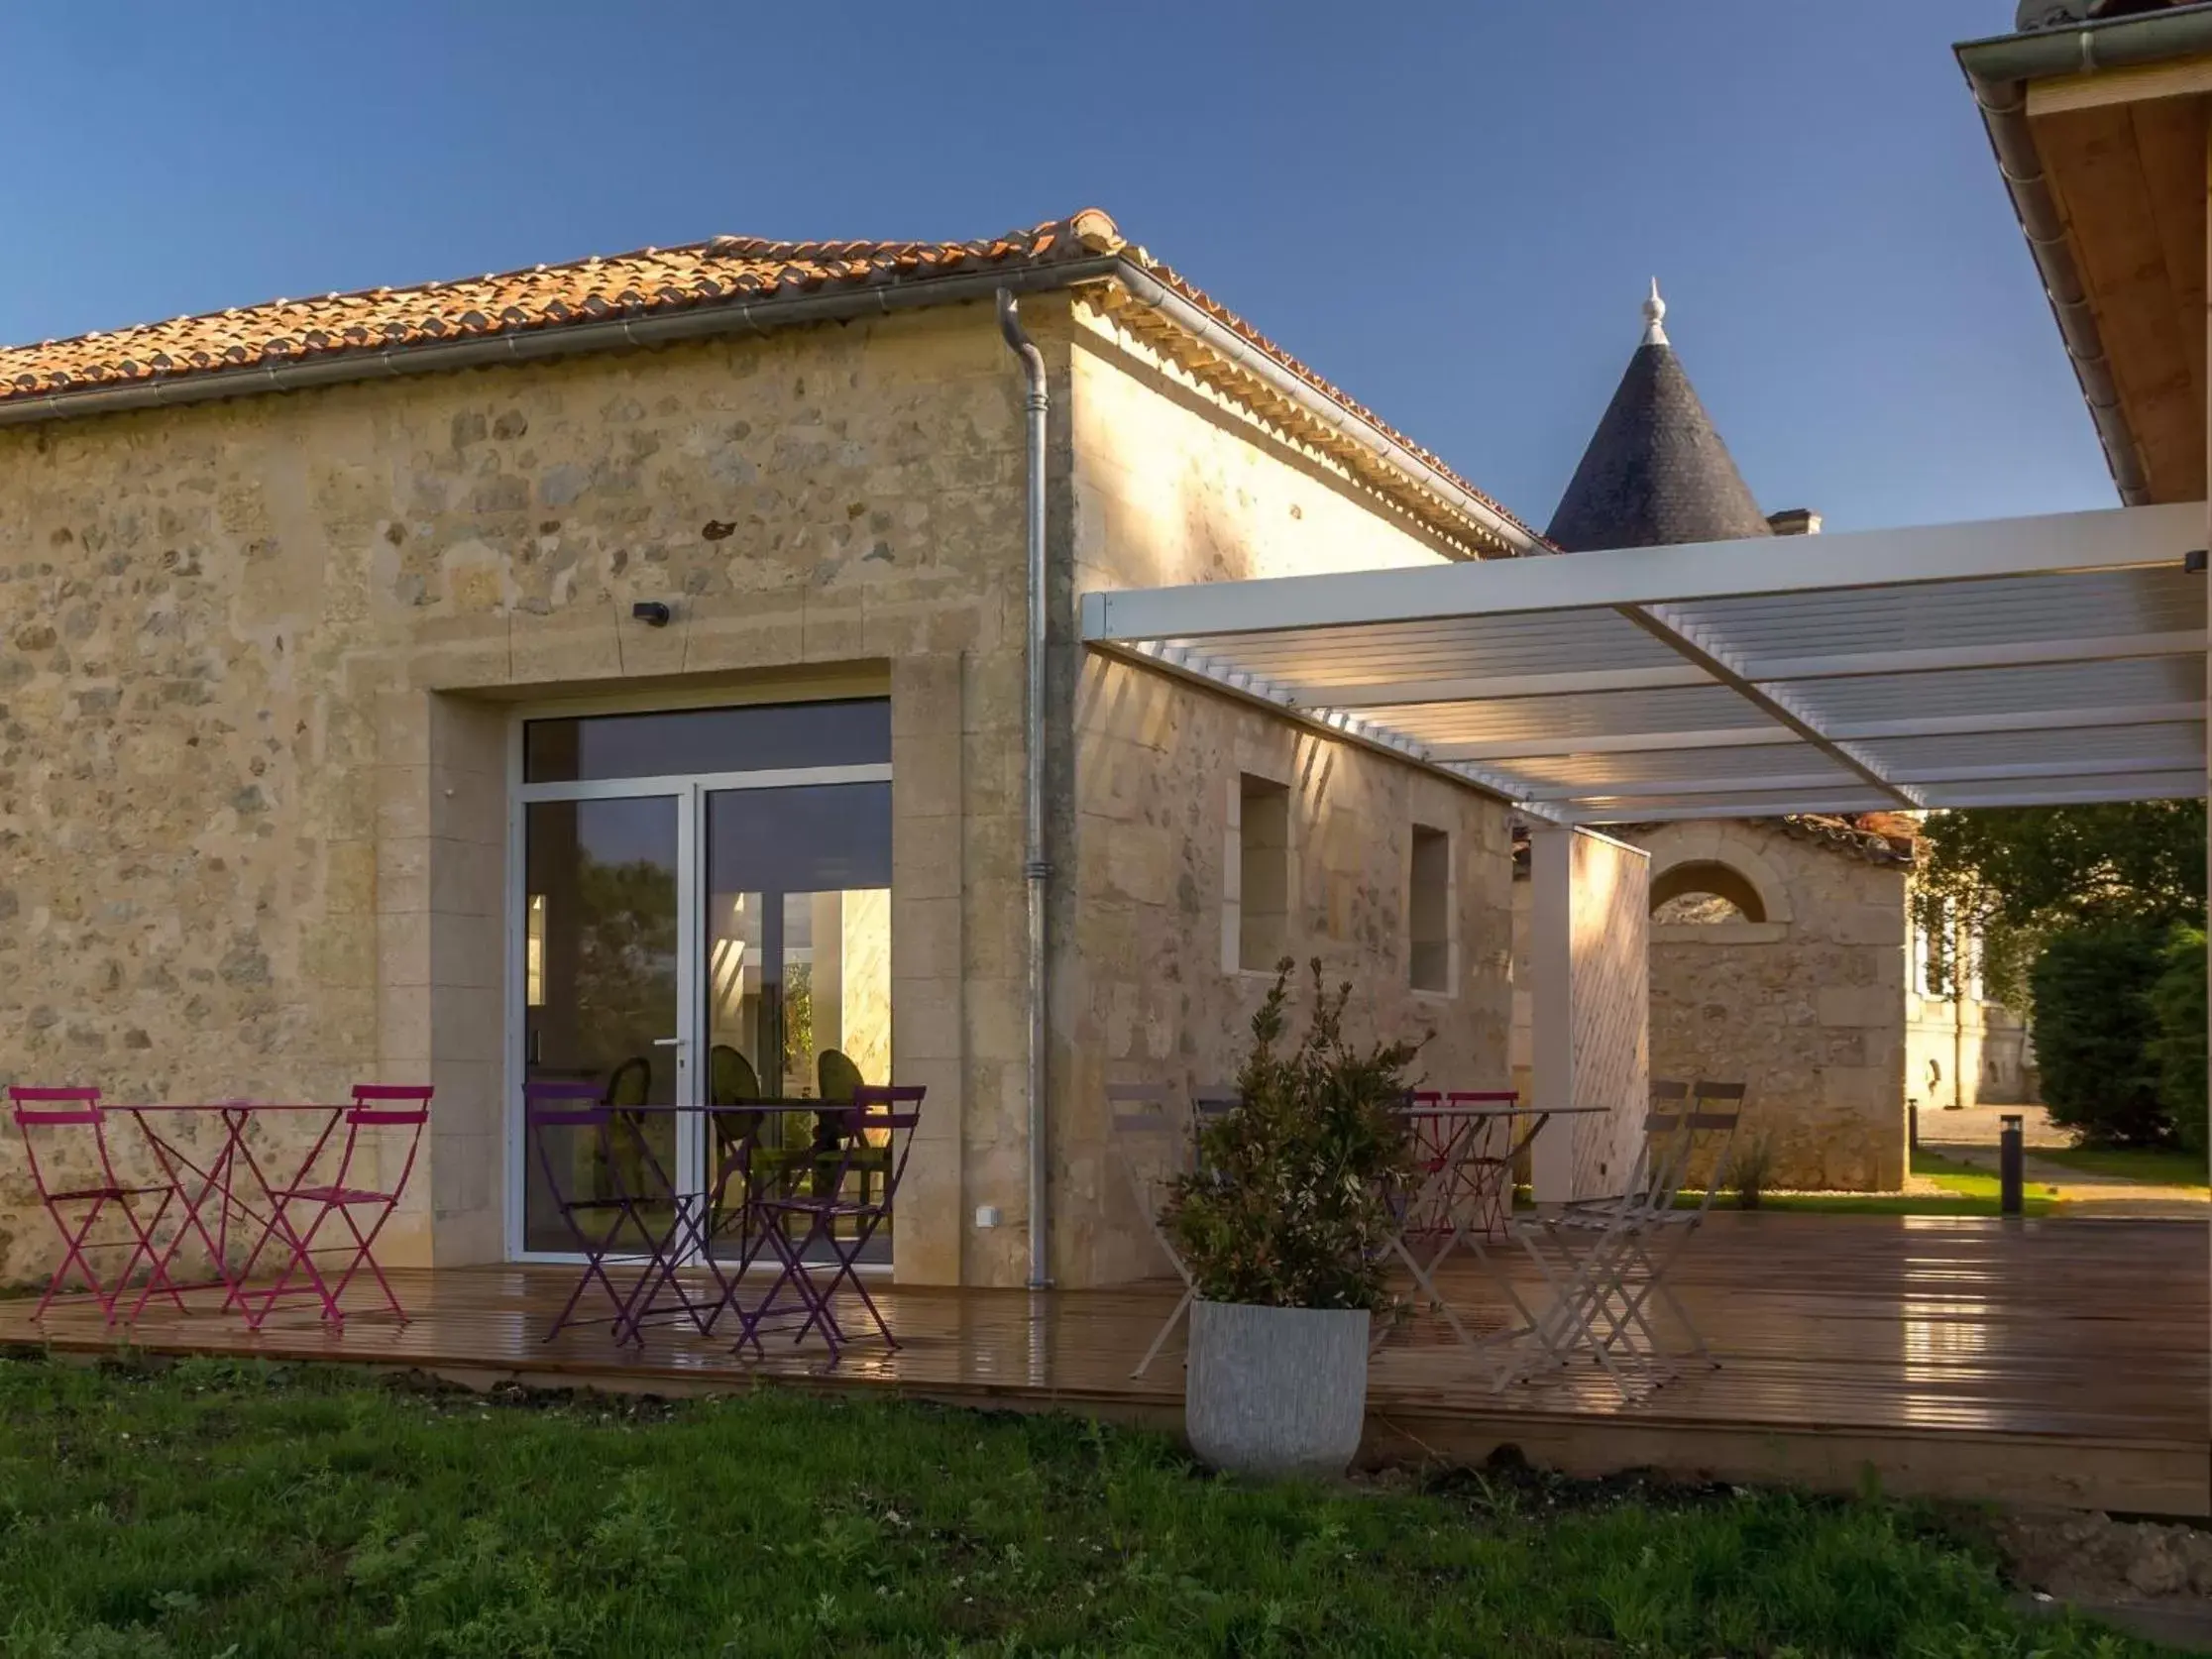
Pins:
x,y
1499,688
1663,623
1628,789
1565,746
2037,719
2118,538
2044,659
2010,653
2058,766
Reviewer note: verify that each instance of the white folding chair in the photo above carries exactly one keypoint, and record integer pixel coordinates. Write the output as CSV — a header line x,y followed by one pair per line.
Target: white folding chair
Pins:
x,y
1705,1130
1153,1149
1620,1251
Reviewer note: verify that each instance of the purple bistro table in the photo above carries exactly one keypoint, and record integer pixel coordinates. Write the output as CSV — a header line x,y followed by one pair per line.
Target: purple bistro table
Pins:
x,y
659,1249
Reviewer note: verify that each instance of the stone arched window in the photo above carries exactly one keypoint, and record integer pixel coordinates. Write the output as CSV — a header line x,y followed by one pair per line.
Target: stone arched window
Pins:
x,y
1704,891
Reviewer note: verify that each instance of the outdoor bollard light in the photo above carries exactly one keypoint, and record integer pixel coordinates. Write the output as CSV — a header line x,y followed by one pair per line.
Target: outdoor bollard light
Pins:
x,y
2008,1165
1912,1122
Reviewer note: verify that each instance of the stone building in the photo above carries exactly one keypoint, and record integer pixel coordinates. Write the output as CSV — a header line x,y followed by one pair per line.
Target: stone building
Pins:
x,y
618,670
1782,951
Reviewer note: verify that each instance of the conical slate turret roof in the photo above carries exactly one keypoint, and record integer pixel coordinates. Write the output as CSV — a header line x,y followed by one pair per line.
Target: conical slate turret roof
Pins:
x,y
1657,472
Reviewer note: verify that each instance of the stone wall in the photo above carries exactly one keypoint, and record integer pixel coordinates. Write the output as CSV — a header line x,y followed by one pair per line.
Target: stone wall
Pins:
x,y
1972,1052
263,652
1170,486
1807,1007
266,656
1147,987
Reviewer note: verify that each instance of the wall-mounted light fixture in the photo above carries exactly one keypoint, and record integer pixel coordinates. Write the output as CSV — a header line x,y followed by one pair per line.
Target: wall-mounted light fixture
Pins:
x,y
651,613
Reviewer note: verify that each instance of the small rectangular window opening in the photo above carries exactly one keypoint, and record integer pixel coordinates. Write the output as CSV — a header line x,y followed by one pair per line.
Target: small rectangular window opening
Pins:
x,y
1429,909
1263,873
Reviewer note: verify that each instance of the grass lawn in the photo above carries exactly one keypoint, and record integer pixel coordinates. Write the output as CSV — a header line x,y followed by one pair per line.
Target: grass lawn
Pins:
x,y
2160,1166
213,1508
1965,1190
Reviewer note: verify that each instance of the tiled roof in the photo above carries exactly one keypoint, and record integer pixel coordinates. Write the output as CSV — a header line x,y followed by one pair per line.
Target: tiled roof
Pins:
x,y
728,270
1878,838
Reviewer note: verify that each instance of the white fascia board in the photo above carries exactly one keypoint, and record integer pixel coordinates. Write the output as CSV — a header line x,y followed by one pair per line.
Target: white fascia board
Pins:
x,y
2116,538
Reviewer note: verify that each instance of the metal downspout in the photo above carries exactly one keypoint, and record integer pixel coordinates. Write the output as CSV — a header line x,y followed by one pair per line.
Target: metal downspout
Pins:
x,y
1036,872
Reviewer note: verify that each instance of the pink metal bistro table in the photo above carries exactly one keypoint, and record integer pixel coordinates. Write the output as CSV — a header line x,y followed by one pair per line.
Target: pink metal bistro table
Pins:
x,y
234,1185
1466,1193
210,1187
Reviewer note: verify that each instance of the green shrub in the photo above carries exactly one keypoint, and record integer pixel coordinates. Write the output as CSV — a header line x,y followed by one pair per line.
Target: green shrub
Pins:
x,y
2094,1029
1751,1168
1293,1206
2177,1000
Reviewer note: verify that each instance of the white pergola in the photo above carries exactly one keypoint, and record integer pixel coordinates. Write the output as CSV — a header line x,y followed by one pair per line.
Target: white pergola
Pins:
x,y
2027,661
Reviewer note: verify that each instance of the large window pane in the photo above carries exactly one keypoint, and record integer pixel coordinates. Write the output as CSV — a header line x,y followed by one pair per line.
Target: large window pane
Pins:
x,y
798,956
601,994
764,738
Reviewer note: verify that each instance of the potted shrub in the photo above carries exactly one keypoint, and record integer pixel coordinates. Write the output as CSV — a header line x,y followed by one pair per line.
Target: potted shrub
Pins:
x,y
1284,1229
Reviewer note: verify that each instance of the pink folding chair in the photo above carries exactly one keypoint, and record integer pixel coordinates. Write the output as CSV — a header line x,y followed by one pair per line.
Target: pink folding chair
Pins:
x,y
49,1112
355,1200
1482,1194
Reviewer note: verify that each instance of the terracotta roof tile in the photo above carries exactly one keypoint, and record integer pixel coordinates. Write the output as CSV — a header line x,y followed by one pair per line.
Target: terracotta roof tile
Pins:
x,y
651,280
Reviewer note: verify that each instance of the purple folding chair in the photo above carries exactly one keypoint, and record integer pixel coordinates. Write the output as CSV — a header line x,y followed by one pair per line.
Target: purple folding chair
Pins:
x,y
598,1220
889,1112
53,1110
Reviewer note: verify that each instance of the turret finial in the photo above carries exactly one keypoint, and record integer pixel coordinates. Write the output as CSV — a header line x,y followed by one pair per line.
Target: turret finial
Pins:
x,y
1655,317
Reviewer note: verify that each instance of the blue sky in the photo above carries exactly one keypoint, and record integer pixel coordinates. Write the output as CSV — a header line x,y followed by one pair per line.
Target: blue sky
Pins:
x,y
1451,210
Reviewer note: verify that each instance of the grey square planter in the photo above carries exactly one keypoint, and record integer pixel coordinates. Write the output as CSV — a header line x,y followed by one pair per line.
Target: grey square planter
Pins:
x,y
1276,1391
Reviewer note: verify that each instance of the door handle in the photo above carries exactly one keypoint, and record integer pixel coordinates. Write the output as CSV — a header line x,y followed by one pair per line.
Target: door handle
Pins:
x,y
668,1041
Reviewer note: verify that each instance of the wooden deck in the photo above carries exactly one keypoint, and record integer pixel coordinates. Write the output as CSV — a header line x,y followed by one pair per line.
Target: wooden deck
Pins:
x,y
2052,1361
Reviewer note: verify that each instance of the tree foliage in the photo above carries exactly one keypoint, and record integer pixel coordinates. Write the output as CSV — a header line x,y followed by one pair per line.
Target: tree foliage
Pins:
x,y
1292,1203
2096,1028
2035,867
2084,915
2177,1002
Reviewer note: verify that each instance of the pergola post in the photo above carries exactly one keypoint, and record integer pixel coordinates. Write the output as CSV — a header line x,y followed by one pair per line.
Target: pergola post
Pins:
x,y
1589,1007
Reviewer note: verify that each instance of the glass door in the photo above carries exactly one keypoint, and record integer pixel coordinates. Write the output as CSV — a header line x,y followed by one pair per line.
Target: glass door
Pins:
x,y
796,951
702,914
603,996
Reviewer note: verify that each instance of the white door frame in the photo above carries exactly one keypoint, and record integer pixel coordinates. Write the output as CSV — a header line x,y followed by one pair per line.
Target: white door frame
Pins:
x,y
689,790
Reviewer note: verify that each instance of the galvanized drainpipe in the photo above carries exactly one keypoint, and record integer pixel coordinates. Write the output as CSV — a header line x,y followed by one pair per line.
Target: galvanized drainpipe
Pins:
x,y
1036,872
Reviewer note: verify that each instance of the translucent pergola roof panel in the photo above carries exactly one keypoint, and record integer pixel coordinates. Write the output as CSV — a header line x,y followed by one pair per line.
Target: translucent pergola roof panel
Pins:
x,y
2054,659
